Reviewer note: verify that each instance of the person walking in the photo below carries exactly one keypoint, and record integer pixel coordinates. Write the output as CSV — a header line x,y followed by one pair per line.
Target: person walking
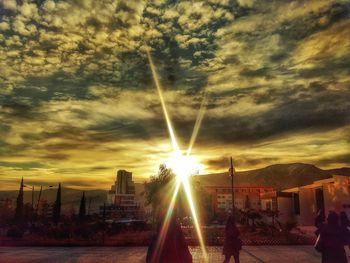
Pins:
x,y
331,241
232,243
319,221
173,248
345,225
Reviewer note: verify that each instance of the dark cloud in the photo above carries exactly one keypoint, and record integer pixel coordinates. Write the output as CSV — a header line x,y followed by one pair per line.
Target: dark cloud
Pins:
x,y
305,112
23,165
335,160
56,156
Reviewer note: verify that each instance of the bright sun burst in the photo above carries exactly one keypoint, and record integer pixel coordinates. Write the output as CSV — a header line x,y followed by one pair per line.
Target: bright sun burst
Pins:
x,y
183,165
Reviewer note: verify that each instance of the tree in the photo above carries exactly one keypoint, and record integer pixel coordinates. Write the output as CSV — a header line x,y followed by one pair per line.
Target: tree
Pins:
x,y
82,209
247,204
156,188
253,215
19,206
56,212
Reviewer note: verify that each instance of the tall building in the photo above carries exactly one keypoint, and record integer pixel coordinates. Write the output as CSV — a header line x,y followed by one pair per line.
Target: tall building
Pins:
x,y
121,197
124,183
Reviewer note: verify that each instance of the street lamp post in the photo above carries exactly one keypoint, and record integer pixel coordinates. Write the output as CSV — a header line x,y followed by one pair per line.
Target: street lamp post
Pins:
x,y
41,189
32,188
232,184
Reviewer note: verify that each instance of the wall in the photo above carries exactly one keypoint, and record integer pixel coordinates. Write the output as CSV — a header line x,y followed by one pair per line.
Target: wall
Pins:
x,y
337,195
285,208
307,206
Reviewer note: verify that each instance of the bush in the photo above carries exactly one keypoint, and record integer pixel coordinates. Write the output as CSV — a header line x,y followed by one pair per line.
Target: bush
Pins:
x,y
15,232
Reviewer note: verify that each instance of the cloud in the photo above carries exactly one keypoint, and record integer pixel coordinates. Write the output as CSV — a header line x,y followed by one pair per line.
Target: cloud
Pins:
x,y
77,98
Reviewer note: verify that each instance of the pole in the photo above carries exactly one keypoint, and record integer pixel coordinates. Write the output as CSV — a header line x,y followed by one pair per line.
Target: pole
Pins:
x,y
37,206
88,212
232,185
33,197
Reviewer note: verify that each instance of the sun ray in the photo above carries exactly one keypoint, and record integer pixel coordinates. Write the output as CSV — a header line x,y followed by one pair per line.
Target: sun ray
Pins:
x,y
187,188
197,125
183,162
165,111
165,225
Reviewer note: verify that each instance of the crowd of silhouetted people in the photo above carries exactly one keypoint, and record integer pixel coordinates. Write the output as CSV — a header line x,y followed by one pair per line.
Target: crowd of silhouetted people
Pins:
x,y
333,234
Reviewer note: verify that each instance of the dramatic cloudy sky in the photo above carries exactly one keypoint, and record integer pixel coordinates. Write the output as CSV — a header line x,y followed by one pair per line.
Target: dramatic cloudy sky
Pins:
x,y
77,99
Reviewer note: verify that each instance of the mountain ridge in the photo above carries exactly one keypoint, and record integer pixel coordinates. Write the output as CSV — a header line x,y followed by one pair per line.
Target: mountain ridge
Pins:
x,y
279,176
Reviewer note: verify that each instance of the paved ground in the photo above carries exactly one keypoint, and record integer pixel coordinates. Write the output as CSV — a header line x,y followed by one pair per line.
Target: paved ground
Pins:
x,y
250,254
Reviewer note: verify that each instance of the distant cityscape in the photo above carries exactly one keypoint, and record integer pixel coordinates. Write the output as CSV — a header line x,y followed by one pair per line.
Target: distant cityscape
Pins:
x,y
125,200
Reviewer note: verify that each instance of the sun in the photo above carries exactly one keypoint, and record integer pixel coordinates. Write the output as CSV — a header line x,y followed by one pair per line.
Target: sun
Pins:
x,y
183,165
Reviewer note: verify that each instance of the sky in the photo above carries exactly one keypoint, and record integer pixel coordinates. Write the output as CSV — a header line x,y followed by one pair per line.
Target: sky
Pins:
x,y
78,102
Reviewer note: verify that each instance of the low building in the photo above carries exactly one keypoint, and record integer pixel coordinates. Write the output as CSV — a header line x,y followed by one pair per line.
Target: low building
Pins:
x,y
45,209
281,202
332,194
246,196
301,204
220,189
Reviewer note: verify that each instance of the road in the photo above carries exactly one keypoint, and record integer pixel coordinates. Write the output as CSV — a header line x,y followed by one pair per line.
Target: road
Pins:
x,y
249,254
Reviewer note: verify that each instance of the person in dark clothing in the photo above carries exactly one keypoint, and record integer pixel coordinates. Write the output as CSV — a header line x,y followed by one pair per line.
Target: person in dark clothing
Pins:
x,y
232,244
173,249
319,221
331,241
345,225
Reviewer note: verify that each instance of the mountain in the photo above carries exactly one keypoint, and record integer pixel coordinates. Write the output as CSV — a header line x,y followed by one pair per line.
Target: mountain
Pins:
x,y
279,176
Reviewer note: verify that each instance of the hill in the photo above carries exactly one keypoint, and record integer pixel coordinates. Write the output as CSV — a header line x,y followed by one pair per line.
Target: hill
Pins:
x,y
280,176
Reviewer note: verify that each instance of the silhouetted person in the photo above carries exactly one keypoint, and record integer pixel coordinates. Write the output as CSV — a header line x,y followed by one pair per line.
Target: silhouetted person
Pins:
x,y
174,248
319,221
345,225
331,241
232,243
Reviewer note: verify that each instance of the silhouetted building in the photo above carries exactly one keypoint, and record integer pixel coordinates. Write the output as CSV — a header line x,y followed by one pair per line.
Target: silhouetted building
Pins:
x,y
45,209
124,183
121,198
6,203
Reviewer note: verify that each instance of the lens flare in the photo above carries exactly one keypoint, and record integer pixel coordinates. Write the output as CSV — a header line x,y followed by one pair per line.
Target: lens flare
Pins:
x,y
197,125
182,165
160,93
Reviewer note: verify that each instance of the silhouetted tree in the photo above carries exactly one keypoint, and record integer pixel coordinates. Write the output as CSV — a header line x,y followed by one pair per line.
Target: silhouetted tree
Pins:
x,y
82,209
104,212
155,189
56,212
247,203
19,206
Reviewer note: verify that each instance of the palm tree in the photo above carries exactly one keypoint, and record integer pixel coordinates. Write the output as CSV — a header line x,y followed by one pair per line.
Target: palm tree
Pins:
x,y
156,188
